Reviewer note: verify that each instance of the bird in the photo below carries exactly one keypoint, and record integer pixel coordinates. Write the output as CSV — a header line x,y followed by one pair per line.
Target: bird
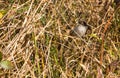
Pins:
x,y
80,29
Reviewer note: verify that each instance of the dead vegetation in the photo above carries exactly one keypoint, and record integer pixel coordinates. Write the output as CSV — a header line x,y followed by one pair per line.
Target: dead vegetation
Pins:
x,y
35,37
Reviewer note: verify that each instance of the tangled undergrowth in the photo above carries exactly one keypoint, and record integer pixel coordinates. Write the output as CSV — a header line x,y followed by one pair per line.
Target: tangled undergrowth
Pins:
x,y
35,37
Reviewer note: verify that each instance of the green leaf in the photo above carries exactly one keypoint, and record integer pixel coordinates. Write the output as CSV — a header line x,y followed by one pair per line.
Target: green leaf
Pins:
x,y
93,35
3,12
6,64
1,15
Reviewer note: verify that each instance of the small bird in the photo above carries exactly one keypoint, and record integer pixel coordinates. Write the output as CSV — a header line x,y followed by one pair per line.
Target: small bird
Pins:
x,y
80,29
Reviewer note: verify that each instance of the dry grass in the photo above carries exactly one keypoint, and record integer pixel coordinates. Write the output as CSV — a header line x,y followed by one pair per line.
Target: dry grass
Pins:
x,y
34,35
